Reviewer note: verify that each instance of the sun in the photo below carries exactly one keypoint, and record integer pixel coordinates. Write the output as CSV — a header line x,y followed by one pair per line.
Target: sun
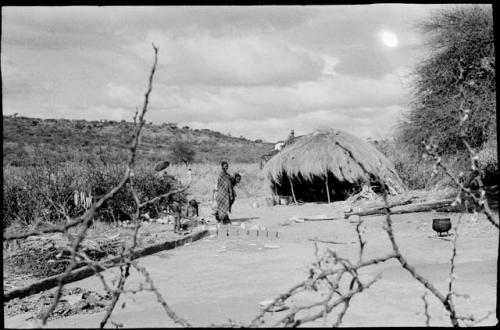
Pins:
x,y
389,38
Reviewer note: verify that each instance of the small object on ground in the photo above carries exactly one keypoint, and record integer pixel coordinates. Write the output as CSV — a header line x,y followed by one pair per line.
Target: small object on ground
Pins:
x,y
162,165
441,225
270,246
127,224
193,208
270,201
255,205
284,200
163,221
320,217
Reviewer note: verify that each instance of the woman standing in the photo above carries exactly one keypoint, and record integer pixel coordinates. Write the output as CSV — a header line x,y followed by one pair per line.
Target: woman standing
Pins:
x,y
224,195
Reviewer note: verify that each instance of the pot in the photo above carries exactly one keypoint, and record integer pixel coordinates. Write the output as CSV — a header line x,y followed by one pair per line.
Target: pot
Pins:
x,y
441,225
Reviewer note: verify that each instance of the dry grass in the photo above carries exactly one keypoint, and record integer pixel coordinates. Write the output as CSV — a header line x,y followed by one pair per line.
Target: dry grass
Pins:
x,y
253,183
45,193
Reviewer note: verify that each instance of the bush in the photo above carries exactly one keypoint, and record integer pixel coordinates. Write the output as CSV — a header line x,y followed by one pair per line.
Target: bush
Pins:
x,y
42,192
415,171
460,37
182,152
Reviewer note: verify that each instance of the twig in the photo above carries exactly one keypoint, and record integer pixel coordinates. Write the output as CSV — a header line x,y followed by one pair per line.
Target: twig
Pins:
x,y
160,299
88,216
331,306
449,295
342,313
360,239
402,260
475,322
426,310
124,273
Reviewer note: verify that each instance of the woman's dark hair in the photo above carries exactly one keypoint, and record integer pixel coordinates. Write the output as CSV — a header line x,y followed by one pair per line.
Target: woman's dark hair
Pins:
x,y
237,175
224,162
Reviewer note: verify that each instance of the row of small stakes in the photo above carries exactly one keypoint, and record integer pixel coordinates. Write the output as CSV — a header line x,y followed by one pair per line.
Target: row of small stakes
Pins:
x,y
246,232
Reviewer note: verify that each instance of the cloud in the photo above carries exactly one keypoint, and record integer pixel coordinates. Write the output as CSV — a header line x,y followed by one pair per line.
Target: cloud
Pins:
x,y
228,60
336,92
376,122
255,71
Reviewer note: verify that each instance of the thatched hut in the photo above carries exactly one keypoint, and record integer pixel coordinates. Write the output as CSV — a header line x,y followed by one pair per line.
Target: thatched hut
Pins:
x,y
320,167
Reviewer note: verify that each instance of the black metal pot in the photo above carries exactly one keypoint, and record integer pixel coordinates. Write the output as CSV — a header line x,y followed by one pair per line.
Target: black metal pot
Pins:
x,y
442,225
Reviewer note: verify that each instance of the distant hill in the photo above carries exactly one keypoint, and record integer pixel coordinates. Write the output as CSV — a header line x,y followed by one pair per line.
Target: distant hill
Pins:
x,y
34,141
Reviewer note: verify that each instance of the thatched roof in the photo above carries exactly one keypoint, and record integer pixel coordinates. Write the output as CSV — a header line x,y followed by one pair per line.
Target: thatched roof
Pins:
x,y
324,151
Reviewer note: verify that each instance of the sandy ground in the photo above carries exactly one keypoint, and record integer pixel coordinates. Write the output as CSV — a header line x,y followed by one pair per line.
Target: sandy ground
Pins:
x,y
225,277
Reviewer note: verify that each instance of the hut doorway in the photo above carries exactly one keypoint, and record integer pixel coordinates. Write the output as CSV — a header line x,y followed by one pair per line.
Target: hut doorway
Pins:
x,y
315,189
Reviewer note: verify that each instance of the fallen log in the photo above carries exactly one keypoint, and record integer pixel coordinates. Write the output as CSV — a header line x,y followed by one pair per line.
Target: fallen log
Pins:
x,y
441,205
87,271
380,204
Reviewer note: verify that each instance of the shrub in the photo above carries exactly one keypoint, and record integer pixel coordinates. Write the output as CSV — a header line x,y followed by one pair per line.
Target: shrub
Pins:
x,y
415,171
182,152
46,192
460,38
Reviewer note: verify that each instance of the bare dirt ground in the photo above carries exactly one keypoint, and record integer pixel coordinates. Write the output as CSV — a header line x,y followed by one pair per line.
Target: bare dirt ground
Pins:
x,y
225,277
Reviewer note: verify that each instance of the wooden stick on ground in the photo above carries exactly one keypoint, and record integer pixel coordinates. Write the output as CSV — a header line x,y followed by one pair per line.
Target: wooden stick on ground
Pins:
x,y
84,272
314,239
322,219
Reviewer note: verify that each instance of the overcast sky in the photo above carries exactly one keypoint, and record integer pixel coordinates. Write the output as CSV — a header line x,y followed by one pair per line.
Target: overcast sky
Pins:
x,y
252,71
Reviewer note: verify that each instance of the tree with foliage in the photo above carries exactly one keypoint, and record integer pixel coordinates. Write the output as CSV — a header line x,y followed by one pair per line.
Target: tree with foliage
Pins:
x,y
461,44
182,152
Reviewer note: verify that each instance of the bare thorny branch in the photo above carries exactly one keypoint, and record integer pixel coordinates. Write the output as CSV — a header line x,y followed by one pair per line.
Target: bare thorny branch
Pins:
x,y
480,202
446,300
85,220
